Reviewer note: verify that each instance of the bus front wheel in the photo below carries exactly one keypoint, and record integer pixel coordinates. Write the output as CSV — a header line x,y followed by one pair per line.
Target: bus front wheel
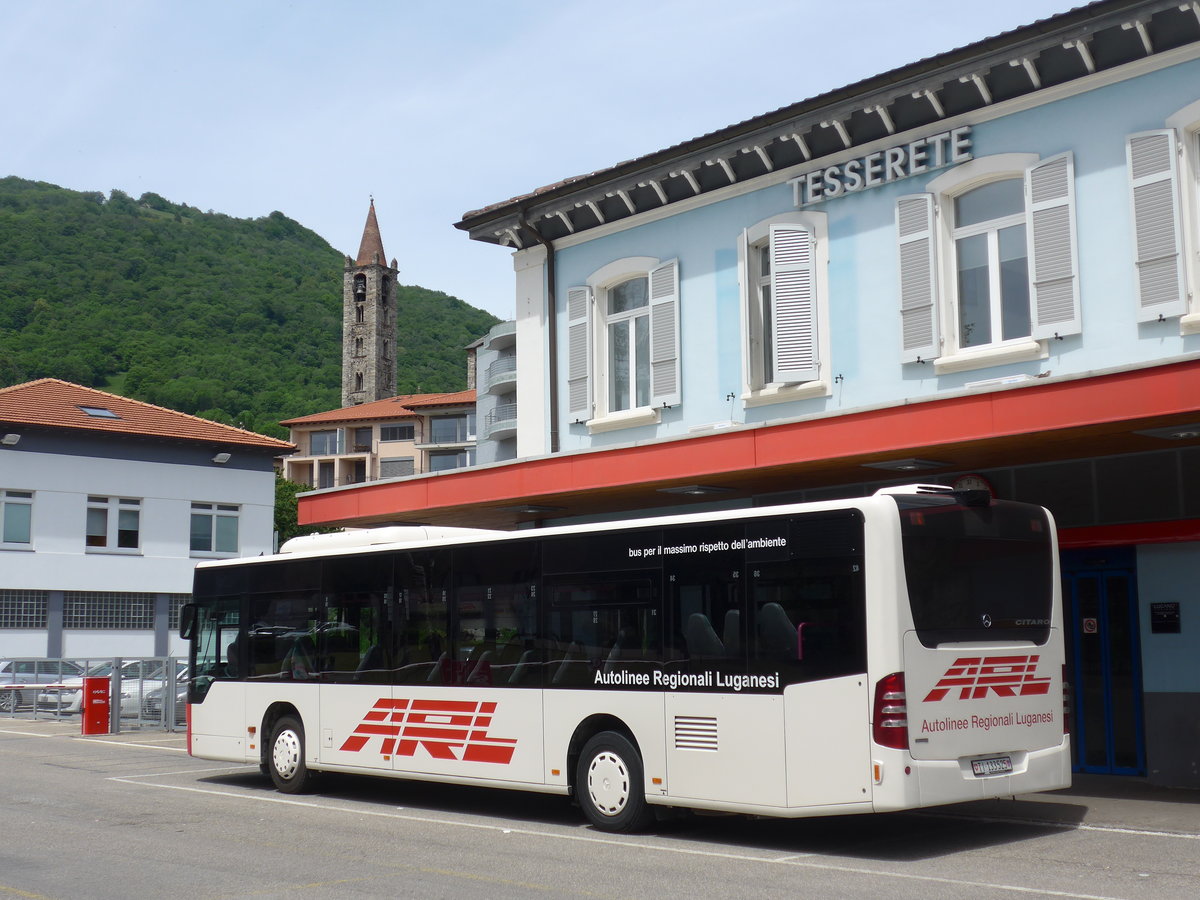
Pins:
x,y
286,757
610,786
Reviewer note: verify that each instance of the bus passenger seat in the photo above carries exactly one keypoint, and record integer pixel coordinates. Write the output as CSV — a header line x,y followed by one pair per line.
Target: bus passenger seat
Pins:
x,y
481,672
523,667
702,641
732,636
371,661
572,667
776,633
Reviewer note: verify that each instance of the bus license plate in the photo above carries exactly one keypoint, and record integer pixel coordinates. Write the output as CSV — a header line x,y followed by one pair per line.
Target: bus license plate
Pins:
x,y
998,765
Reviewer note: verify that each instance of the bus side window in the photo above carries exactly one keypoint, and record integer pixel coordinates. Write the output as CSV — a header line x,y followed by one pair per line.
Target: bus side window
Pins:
x,y
704,590
350,629
599,624
494,612
808,602
421,622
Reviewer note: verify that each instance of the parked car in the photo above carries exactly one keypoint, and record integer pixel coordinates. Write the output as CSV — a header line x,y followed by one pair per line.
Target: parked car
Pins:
x,y
138,678
31,671
152,705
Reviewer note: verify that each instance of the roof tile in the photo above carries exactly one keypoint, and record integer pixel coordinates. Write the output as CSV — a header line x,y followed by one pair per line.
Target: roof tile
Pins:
x,y
52,403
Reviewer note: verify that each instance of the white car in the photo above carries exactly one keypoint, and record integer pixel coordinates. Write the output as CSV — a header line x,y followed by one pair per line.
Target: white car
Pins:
x,y
31,671
138,678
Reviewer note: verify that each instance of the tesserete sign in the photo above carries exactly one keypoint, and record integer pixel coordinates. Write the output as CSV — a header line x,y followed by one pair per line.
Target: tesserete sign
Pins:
x,y
883,166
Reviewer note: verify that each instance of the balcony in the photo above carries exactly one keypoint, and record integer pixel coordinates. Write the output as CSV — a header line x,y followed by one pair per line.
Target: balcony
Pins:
x,y
501,336
502,375
501,422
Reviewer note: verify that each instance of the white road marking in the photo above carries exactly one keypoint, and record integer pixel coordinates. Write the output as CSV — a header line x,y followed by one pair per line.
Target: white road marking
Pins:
x,y
131,744
789,860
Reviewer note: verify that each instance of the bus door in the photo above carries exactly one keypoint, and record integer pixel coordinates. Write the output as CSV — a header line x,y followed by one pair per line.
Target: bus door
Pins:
x,y
725,740
1100,593
806,600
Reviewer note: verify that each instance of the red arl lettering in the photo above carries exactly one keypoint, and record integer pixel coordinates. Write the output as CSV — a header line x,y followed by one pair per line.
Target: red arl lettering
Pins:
x,y
1006,676
447,729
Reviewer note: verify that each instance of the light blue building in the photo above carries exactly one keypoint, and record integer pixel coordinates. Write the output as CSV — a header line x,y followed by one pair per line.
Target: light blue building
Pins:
x,y
979,269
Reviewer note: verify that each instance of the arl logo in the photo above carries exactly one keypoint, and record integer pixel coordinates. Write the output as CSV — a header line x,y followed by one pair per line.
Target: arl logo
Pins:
x,y
1006,676
447,729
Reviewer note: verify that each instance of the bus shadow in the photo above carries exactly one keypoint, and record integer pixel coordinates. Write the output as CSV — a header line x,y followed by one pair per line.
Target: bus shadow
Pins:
x,y
887,837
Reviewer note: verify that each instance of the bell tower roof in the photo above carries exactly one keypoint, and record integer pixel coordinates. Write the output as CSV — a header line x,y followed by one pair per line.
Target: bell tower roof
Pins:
x,y
371,249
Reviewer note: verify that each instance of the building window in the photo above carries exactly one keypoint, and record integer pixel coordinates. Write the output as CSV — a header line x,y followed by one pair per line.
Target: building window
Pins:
x,y
397,433
441,460
987,262
784,261
23,609
452,429
113,523
623,343
362,440
397,466
358,346
628,318
16,517
175,605
214,528
108,610
991,263
358,381
325,475
325,443
358,315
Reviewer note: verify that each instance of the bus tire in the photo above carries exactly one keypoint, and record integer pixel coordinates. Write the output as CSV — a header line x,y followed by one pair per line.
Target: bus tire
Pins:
x,y
610,785
286,757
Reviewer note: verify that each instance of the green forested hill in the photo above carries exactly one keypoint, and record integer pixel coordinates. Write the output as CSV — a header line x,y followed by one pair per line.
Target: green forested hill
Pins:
x,y
237,320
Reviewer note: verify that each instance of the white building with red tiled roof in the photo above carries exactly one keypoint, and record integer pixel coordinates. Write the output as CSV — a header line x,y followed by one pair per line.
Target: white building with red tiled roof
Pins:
x,y
404,435
106,505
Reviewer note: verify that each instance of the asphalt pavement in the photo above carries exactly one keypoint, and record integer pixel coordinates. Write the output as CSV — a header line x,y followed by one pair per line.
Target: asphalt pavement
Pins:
x,y
1098,801
1113,802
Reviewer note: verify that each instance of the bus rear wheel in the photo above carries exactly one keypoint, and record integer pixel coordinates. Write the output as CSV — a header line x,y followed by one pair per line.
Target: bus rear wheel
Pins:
x,y
286,757
610,786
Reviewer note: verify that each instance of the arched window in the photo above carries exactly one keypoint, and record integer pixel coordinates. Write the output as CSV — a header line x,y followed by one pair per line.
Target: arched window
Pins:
x,y
991,263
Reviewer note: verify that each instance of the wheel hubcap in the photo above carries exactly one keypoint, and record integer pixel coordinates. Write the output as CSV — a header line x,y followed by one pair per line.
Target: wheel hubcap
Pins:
x,y
608,783
286,754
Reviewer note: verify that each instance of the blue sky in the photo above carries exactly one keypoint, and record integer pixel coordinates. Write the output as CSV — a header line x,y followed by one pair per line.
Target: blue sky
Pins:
x,y
435,108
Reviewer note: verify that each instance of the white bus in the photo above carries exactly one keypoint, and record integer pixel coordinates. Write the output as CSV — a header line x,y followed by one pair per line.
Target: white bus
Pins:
x,y
882,653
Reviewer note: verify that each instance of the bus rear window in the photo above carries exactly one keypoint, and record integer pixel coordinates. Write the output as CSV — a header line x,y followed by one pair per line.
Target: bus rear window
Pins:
x,y
977,573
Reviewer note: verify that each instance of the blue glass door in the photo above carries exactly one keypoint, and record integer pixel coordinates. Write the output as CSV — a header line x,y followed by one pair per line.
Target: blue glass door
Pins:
x,y
1100,596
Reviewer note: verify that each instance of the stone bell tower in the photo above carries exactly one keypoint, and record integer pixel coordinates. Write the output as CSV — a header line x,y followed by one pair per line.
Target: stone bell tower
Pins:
x,y
369,321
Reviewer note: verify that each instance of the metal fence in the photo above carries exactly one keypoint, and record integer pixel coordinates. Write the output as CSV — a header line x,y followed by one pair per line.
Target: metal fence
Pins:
x,y
144,692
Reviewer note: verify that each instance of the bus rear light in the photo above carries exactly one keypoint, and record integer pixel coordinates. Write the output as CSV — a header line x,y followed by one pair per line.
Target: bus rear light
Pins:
x,y
889,726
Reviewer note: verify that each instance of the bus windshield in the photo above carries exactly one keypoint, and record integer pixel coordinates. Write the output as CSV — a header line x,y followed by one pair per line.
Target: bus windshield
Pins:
x,y
977,573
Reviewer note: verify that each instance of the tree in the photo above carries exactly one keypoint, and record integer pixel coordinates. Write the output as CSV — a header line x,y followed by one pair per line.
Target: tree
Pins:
x,y
286,526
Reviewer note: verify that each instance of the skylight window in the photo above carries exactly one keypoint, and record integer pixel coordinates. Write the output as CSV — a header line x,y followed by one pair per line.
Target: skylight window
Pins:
x,y
99,412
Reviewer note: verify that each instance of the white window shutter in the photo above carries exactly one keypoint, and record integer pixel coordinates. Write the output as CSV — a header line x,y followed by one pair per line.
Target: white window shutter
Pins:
x,y
793,304
579,352
751,335
664,334
919,339
1053,276
1154,193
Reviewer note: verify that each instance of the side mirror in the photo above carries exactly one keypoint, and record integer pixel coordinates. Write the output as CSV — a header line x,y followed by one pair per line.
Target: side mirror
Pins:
x,y
187,621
